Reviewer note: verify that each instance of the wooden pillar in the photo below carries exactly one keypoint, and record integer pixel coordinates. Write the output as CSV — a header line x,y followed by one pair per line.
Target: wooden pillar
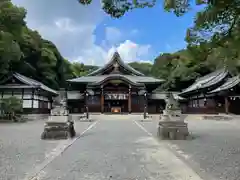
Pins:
x,y
129,100
145,101
22,94
32,97
145,106
102,100
226,104
86,101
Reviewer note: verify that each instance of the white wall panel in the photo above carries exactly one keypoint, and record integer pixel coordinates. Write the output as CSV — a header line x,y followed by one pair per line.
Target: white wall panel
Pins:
x,y
27,96
19,96
27,103
74,95
35,104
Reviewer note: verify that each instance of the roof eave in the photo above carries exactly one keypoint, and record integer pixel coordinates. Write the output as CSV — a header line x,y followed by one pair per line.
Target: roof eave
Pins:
x,y
114,77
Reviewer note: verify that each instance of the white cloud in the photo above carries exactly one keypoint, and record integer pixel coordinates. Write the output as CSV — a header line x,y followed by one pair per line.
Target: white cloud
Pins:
x,y
128,50
72,26
131,51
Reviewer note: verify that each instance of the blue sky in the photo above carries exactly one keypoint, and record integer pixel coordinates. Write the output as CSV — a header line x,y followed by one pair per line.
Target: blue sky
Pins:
x,y
155,26
88,35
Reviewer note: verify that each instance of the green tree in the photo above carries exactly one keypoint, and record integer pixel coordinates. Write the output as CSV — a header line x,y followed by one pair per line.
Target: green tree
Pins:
x,y
11,18
11,107
25,51
117,8
144,68
9,52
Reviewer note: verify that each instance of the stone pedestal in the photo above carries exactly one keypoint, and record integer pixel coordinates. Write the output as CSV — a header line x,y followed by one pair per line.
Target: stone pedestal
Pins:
x,y
58,127
59,124
171,125
173,130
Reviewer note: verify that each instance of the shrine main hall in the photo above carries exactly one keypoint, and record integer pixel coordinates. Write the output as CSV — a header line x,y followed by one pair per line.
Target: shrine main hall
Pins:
x,y
114,88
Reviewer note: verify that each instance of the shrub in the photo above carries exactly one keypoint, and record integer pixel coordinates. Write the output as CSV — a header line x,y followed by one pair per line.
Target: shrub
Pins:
x,y
11,108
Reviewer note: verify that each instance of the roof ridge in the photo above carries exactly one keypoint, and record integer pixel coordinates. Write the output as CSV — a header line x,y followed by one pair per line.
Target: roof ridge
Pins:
x,y
116,56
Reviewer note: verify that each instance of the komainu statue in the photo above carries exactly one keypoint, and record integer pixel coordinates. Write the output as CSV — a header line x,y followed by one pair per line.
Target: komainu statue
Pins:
x,y
172,125
59,125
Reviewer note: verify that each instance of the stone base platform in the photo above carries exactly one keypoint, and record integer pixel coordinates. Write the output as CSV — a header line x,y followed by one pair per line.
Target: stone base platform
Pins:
x,y
58,127
173,130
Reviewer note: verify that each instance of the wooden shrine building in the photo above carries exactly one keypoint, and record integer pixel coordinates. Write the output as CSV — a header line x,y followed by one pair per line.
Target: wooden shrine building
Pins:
x,y
114,88
36,97
217,92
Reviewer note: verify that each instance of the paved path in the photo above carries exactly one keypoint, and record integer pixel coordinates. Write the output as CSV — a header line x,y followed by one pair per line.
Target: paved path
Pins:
x,y
214,153
117,148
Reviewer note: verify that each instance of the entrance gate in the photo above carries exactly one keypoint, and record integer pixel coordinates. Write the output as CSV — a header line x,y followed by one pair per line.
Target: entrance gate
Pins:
x,y
116,102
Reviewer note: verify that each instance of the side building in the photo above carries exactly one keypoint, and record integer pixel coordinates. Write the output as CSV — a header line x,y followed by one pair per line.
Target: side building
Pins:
x,y
36,97
217,92
114,88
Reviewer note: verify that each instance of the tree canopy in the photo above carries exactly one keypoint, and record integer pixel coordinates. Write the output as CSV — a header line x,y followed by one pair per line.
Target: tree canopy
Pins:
x,y
213,42
25,51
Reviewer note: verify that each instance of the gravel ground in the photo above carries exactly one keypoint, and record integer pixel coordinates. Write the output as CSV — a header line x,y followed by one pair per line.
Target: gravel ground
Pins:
x,y
117,148
21,148
215,151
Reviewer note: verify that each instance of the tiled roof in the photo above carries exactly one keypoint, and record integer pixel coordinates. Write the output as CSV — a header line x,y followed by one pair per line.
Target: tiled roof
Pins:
x,y
137,79
120,77
207,81
116,57
230,83
33,83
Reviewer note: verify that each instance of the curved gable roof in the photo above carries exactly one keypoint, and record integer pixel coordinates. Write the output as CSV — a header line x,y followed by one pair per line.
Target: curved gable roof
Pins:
x,y
117,77
115,58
